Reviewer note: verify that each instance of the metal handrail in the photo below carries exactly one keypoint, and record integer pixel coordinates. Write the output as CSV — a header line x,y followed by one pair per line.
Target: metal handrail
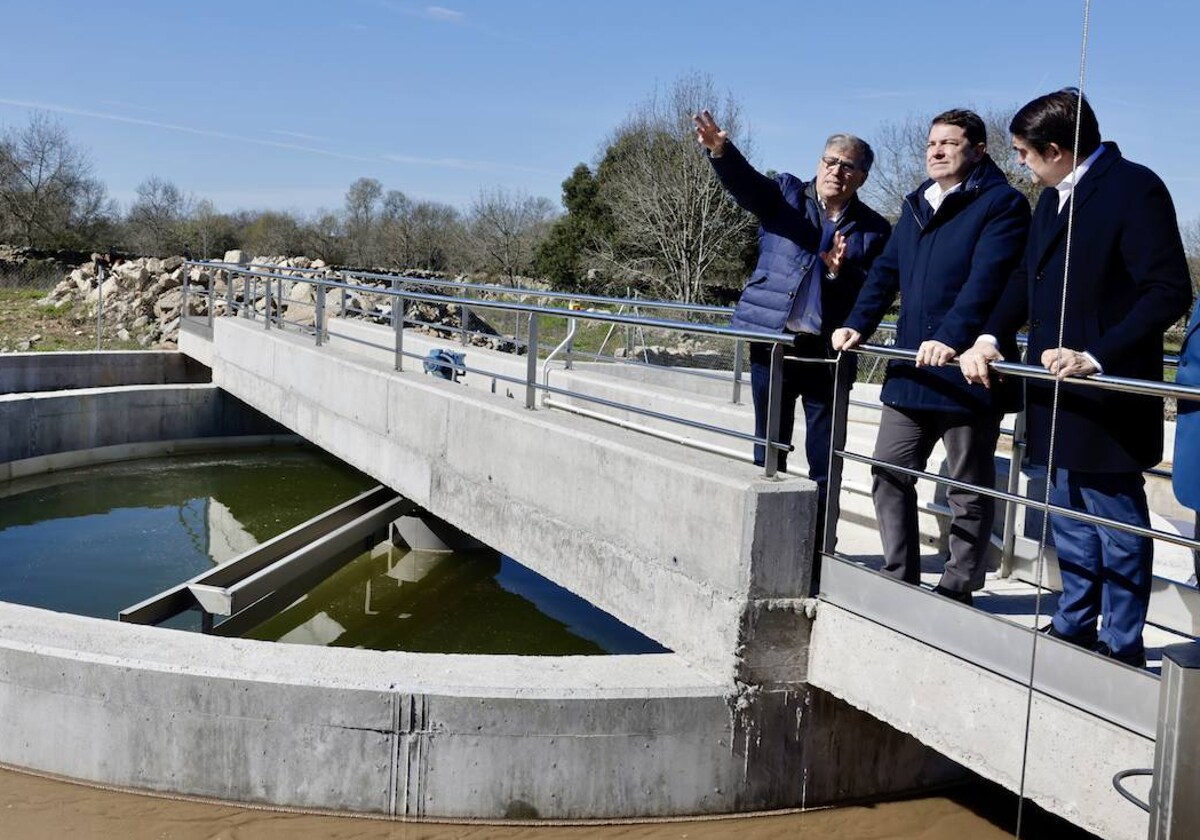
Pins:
x,y
518,291
771,441
1104,381
839,454
761,336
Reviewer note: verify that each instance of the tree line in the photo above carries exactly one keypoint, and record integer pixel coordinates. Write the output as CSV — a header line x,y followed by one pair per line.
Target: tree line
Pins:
x,y
647,215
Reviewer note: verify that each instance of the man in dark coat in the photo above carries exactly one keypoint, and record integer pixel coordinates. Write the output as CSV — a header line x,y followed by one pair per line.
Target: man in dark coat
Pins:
x,y
1128,282
816,242
959,236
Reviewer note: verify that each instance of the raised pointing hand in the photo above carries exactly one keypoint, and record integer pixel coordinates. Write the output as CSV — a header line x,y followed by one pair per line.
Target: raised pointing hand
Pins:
x,y
708,133
836,253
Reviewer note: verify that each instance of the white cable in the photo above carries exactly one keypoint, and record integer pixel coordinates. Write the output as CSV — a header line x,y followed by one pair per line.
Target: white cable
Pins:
x,y
1041,555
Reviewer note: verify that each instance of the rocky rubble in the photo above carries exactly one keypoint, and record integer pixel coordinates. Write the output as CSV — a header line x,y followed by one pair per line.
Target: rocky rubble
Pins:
x,y
142,298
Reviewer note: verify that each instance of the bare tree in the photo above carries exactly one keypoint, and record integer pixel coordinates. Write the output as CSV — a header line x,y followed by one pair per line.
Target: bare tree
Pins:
x,y
362,210
672,221
396,230
155,222
324,237
1191,245
439,237
506,227
900,160
48,197
274,233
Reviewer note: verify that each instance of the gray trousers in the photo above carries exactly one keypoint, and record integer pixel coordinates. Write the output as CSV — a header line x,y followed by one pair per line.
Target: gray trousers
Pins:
x,y
906,439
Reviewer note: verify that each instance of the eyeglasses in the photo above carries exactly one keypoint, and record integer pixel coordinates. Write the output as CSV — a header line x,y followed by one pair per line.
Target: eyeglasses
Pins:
x,y
831,162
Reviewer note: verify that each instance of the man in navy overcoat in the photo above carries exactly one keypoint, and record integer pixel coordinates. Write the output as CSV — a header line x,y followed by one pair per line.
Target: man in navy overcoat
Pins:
x,y
959,236
1128,281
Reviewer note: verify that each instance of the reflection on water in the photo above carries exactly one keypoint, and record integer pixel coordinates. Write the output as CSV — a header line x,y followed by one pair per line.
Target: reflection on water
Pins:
x,y
93,541
478,602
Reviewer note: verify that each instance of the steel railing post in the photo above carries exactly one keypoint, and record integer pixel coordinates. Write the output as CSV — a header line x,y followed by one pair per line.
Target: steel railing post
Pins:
x,y
212,299
247,297
398,307
100,304
183,296
1174,805
739,360
319,315
267,305
571,326
843,381
1012,510
345,295
774,406
464,318
531,359
230,308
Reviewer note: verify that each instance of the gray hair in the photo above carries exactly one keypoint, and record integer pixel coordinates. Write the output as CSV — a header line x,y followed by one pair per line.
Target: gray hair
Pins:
x,y
861,148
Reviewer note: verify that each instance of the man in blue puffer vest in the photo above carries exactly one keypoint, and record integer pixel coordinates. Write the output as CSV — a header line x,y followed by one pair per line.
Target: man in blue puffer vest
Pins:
x,y
959,236
816,242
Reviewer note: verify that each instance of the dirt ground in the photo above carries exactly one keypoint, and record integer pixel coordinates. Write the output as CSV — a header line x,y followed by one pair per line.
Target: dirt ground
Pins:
x,y
22,318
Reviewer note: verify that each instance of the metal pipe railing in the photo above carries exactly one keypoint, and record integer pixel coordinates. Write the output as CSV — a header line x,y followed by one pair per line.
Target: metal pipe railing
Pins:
x,y
400,297
1113,383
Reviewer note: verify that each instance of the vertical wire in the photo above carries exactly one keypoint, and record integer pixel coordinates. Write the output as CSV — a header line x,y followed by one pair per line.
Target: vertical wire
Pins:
x,y
1062,315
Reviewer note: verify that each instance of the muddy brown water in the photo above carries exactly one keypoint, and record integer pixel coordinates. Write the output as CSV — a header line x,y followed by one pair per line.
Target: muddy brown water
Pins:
x,y
34,807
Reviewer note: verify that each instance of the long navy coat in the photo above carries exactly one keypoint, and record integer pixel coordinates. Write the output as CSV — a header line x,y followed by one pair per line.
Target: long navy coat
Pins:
x,y
790,222
1128,282
1186,467
949,268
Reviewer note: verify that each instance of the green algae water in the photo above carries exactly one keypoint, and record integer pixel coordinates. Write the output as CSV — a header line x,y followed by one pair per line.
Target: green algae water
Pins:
x,y
95,540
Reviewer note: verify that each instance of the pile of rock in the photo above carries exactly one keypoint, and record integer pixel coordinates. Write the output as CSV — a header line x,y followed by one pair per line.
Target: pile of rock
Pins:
x,y
141,299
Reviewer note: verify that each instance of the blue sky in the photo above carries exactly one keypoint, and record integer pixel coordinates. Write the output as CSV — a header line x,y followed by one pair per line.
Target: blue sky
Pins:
x,y
261,104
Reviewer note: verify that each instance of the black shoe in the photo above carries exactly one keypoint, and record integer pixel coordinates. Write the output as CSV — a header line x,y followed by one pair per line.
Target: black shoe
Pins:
x,y
1084,640
1136,659
961,597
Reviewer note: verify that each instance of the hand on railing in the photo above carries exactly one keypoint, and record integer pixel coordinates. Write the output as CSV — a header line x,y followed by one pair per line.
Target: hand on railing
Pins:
x,y
975,362
1064,362
934,354
844,338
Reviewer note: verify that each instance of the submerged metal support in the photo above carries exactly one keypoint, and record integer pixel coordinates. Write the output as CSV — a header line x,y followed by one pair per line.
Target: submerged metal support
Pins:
x,y
774,407
531,363
1175,792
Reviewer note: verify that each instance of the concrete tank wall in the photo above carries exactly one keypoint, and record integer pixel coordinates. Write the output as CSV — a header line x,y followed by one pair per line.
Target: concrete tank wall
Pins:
x,y
25,372
44,426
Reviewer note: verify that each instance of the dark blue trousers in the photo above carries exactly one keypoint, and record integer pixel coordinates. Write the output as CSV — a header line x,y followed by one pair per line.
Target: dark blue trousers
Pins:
x,y
812,384
1105,572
